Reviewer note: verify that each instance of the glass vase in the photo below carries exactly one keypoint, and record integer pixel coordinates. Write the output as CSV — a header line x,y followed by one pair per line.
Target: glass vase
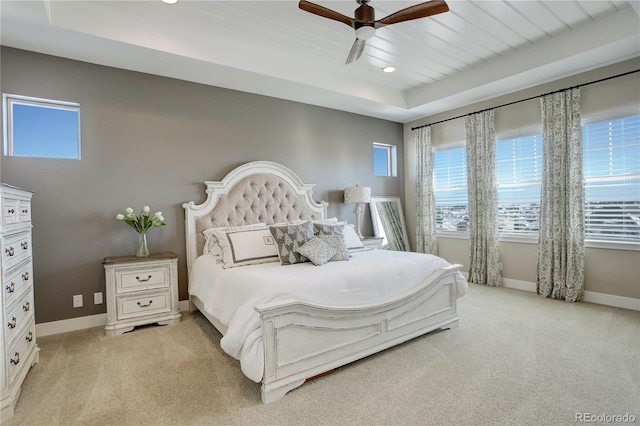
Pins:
x,y
143,250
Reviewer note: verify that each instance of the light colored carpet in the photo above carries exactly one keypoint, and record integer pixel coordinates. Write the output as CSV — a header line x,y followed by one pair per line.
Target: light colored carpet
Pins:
x,y
515,359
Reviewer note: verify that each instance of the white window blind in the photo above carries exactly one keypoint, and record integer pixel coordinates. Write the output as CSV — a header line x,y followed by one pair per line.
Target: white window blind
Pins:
x,y
611,167
450,185
519,178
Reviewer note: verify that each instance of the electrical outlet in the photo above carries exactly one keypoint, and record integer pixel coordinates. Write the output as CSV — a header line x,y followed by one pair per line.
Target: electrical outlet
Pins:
x,y
97,298
77,301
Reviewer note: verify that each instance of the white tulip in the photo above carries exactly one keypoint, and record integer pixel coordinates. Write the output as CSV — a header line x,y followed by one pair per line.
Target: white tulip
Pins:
x,y
120,216
145,209
158,214
128,210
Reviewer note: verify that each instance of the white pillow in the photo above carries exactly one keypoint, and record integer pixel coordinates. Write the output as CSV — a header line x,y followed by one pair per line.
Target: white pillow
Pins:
x,y
320,221
248,247
211,242
351,238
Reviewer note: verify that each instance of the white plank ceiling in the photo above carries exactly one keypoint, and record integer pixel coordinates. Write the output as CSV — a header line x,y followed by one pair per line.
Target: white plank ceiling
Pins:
x,y
478,50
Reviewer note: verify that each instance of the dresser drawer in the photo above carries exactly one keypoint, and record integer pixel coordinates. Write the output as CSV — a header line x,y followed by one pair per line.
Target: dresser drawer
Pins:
x,y
16,283
10,211
18,352
15,248
25,211
141,278
16,318
142,305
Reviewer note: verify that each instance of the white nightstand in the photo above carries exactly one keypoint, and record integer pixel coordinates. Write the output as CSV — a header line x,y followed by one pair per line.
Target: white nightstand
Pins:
x,y
373,242
141,290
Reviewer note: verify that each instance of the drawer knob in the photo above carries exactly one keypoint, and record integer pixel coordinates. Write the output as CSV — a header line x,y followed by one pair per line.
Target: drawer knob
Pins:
x,y
26,307
9,251
12,211
29,337
143,280
12,324
144,306
25,211
16,359
24,245
11,288
25,276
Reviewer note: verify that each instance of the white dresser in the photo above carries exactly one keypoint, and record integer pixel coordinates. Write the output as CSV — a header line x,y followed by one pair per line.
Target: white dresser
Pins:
x,y
17,334
141,290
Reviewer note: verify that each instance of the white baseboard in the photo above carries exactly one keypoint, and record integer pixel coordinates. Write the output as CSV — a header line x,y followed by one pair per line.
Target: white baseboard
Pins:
x,y
82,323
73,324
589,296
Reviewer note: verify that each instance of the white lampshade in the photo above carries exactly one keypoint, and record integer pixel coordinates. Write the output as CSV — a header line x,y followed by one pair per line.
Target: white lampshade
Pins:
x,y
357,194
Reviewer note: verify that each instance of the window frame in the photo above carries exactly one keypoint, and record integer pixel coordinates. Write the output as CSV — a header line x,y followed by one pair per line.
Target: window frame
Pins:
x,y
611,115
9,100
392,159
439,232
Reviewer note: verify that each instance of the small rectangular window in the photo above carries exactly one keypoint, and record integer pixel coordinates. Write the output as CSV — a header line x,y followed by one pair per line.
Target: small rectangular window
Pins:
x,y
384,160
37,127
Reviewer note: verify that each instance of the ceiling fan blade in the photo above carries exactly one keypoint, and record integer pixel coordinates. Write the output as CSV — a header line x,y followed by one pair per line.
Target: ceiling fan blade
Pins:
x,y
356,50
418,11
316,9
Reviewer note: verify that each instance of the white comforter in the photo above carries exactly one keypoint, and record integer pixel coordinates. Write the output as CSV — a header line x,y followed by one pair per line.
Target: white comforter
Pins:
x,y
230,295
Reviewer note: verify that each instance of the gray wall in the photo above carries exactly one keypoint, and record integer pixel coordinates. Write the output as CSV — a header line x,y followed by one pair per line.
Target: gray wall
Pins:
x,y
153,140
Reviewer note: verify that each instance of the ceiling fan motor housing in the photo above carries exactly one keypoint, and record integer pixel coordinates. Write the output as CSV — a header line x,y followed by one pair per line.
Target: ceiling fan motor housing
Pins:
x,y
364,22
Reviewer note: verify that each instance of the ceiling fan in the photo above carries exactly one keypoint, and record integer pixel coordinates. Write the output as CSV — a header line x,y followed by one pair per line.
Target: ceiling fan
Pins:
x,y
365,22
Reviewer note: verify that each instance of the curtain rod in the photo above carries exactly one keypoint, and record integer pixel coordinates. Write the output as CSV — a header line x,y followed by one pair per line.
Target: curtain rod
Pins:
x,y
528,99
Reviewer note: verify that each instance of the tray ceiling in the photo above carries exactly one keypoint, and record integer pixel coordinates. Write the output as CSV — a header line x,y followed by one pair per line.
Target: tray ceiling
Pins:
x,y
477,50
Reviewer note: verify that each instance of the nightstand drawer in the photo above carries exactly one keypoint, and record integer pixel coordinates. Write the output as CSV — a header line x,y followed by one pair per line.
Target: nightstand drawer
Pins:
x,y
140,306
136,279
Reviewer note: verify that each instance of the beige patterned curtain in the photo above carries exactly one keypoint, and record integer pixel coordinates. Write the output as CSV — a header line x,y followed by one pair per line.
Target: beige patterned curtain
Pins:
x,y
484,266
426,240
561,235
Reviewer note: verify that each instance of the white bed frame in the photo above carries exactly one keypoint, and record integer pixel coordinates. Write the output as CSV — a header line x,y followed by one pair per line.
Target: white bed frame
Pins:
x,y
302,340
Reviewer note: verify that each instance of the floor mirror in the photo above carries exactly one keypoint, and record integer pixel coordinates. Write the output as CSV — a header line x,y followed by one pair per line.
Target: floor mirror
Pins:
x,y
388,223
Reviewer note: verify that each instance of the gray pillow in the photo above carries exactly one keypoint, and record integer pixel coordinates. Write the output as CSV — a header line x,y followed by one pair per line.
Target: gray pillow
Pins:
x,y
317,251
289,238
328,228
338,243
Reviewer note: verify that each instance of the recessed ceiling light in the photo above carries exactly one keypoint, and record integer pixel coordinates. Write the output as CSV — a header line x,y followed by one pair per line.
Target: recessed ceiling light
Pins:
x,y
170,1
389,69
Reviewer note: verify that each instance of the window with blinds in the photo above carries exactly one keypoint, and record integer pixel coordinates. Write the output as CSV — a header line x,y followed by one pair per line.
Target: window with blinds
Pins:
x,y
519,179
450,187
611,167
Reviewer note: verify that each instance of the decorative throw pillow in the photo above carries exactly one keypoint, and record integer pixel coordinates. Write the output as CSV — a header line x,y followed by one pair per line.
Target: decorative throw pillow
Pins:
x,y
317,251
337,242
249,247
328,228
351,238
289,238
211,245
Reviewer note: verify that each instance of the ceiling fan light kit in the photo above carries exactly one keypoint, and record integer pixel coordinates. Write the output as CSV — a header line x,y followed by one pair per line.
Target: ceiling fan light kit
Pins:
x,y
364,22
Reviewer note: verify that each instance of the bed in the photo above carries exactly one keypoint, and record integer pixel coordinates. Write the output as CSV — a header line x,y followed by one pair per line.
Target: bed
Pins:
x,y
288,319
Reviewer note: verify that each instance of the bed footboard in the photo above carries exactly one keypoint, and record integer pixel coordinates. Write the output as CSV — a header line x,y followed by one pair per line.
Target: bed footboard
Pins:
x,y
302,340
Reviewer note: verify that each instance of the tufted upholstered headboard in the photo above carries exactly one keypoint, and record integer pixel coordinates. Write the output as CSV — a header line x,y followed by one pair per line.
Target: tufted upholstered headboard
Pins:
x,y
260,191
